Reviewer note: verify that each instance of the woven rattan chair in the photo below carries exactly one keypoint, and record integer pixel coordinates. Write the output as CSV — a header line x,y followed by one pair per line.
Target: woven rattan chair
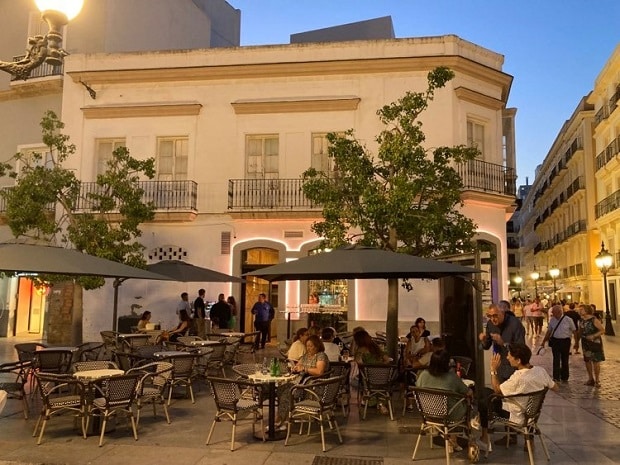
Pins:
x,y
443,416
231,404
317,402
90,351
56,361
112,396
182,374
344,393
155,378
188,339
94,365
13,378
529,407
378,382
60,394
463,362
246,347
110,341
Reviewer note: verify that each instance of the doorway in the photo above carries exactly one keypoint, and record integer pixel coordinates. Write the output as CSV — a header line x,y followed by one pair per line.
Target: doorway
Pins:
x,y
254,259
31,300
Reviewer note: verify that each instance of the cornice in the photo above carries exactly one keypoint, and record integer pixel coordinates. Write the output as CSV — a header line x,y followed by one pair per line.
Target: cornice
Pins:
x,y
456,63
293,105
137,110
32,88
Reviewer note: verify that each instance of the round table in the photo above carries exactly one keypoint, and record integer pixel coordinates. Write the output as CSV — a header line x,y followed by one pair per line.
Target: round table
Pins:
x,y
203,343
169,353
97,374
232,334
271,381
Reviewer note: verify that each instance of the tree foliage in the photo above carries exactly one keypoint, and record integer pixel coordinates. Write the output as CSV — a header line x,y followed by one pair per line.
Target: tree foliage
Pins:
x,y
404,198
103,222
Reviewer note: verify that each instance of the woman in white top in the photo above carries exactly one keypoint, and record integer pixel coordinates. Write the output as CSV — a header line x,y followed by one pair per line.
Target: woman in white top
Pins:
x,y
298,348
417,347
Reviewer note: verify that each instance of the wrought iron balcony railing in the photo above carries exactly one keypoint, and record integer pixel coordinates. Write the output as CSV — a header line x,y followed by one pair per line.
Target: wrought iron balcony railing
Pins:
x,y
480,175
165,195
607,205
43,70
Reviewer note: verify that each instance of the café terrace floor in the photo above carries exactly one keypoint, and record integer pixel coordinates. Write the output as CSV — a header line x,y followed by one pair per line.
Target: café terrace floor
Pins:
x,y
580,425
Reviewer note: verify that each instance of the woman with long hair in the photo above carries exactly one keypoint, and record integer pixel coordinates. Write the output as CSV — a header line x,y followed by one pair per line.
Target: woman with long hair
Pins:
x,y
298,348
182,327
233,312
367,351
144,319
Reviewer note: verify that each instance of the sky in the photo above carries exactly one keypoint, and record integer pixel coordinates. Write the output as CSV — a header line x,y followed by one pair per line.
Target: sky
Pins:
x,y
554,49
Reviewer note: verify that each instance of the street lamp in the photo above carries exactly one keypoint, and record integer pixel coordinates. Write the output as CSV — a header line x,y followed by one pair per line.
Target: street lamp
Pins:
x,y
603,261
518,280
554,272
48,48
535,275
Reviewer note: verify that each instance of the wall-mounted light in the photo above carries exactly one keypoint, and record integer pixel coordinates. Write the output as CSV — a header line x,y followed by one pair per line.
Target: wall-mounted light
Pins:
x,y
48,48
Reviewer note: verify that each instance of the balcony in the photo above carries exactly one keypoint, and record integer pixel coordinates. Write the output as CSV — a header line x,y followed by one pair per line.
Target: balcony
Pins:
x,y
268,195
607,205
44,70
173,200
478,175
50,209
608,154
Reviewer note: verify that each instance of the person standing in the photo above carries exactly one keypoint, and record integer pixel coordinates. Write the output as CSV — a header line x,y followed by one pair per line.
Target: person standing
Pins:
x,y
560,329
220,312
233,312
262,310
502,329
574,315
200,314
184,304
590,332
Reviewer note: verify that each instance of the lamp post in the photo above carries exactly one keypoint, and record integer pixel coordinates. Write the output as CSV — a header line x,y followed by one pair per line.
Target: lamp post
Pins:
x,y
518,280
535,275
48,48
603,261
554,272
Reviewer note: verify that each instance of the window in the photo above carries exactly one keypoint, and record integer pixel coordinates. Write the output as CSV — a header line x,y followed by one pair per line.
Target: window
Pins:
x,y
262,157
475,136
35,155
320,159
104,149
172,158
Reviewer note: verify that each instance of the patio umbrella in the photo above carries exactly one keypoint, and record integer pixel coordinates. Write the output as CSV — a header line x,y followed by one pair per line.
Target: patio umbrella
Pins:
x,y
355,262
186,272
36,258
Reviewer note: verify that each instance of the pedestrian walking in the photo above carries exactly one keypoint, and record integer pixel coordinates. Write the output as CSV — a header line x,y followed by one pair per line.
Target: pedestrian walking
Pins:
x,y
590,332
559,332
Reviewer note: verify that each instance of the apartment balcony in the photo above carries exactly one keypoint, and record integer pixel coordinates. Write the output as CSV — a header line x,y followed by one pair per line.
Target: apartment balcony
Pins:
x,y
607,205
44,70
173,200
50,209
481,176
608,154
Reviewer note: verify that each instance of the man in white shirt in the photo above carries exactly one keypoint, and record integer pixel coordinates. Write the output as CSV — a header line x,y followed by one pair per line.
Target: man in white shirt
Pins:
x,y
331,350
559,331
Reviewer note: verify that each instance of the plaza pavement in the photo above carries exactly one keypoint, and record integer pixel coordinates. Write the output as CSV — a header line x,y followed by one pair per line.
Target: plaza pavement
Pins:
x,y
580,424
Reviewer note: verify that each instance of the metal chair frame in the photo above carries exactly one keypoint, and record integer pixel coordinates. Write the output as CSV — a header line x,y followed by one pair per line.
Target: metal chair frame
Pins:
x,y
378,381
315,401
155,378
231,404
182,374
530,406
94,365
438,410
344,393
15,387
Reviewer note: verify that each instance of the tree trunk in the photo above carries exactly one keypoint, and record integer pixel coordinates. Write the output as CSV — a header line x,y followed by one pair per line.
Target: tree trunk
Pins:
x,y
76,315
391,325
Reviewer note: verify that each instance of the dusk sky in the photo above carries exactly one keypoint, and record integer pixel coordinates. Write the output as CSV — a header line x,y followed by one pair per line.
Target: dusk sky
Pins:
x,y
554,49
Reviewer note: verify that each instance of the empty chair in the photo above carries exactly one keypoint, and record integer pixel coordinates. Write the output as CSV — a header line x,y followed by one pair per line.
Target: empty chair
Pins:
x,y
230,353
13,378
90,351
343,369
231,404
110,341
59,394
444,414
246,347
315,402
182,374
527,408
25,350
217,356
51,360
464,363
155,378
188,339
112,396
378,382
95,365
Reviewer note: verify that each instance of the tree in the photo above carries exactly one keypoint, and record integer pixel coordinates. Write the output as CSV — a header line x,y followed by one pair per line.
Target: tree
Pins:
x,y
103,221
405,199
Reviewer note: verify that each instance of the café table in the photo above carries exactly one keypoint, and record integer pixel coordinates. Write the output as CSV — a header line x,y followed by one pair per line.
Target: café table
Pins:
x,y
203,343
168,354
89,377
232,334
271,381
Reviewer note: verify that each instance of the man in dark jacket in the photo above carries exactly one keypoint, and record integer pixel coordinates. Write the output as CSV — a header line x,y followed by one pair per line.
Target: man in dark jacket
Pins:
x,y
200,314
263,313
220,312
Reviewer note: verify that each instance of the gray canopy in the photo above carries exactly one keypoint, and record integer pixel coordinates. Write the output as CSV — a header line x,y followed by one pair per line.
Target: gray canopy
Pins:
x,y
186,272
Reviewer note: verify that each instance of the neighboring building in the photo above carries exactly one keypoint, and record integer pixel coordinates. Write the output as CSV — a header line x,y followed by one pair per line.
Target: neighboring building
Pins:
x,y
233,129
557,221
102,26
605,97
372,29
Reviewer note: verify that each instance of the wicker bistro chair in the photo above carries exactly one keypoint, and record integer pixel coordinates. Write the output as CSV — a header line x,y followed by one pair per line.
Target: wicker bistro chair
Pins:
x,y
231,403
25,353
94,365
90,351
440,411
378,381
60,394
230,353
217,359
13,379
110,341
315,401
188,339
246,347
155,378
463,362
527,406
344,393
182,374
112,396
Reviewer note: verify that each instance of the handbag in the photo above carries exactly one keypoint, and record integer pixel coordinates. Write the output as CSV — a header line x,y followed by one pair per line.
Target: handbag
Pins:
x,y
591,346
551,340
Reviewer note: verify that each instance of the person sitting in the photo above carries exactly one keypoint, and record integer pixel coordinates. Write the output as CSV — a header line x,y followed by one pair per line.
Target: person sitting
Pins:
x,y
421,325
525,379
418,349
366,350
144,319
438,375
331,348
298,347
182,328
